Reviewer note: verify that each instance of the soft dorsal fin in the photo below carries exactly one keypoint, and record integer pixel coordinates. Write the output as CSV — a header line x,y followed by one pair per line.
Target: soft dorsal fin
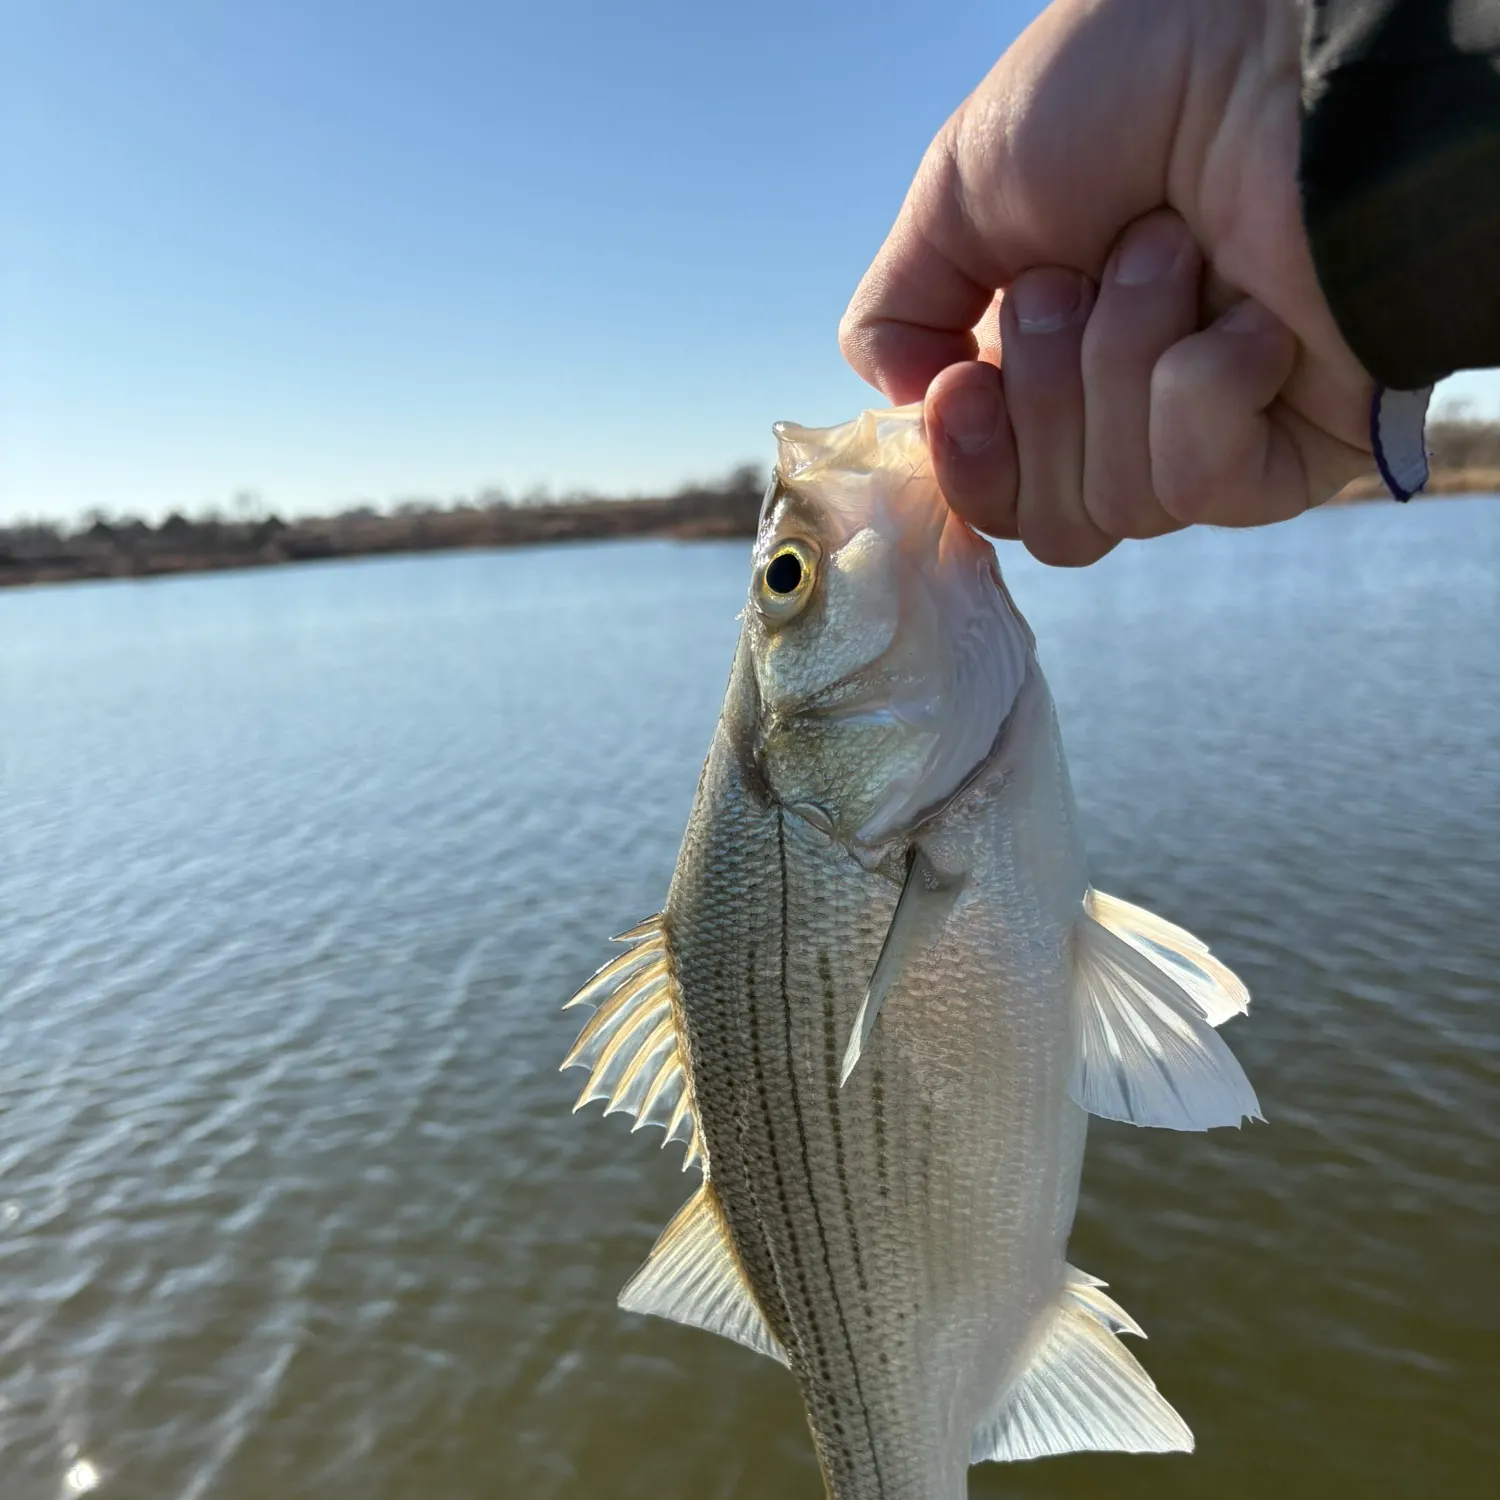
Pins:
x,y
693,1276
631,1046
1147,1051
1082,1389
917,923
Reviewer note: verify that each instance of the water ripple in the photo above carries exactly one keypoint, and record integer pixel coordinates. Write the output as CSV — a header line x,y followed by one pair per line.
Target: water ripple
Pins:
x,y
298,866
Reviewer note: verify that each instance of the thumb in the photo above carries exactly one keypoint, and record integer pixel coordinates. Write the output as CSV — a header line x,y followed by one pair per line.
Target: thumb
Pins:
x,y
1036,168
914,311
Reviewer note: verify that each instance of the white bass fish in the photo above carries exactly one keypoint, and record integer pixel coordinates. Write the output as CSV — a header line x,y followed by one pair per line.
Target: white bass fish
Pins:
x,y
882,1001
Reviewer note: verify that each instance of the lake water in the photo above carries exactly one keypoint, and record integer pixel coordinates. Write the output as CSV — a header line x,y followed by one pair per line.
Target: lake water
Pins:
x,y
296,867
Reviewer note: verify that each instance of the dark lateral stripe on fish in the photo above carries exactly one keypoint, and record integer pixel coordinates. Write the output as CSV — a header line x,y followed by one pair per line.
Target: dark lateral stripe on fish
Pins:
x,y
925,1158
831,1082
799,1271
799,1268
812,1197
757,1251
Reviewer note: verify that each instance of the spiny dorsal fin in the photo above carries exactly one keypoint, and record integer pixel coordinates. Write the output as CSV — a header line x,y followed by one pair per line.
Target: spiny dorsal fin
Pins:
x,y
693,1276
916,924
1215,989
631,1045
1146,1049
1082,1389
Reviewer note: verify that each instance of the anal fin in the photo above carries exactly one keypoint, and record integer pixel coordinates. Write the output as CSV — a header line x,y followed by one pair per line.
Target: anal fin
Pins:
x,y
1082,1389
693,1276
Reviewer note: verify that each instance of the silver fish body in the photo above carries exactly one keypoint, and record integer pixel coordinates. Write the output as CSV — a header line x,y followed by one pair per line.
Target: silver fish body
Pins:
x,y
889,1216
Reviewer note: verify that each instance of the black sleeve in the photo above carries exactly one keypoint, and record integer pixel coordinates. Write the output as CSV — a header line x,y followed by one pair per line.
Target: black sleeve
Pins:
x,y
1401,180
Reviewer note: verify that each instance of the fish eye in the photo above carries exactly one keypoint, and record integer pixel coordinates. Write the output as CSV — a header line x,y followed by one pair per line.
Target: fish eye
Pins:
x,y
784,573
784,583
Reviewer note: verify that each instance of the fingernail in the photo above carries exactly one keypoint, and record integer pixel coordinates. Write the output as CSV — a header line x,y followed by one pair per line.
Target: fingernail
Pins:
x,y
969,418
1149,252
1249,317
1047,301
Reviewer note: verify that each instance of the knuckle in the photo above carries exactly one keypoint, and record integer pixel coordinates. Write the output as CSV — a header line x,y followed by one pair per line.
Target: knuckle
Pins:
x,y
1120,508
1111,360
1055,555
1117,492
1194,443
1178,382
1186,480
1051,539
980,489
1186,501
1119,336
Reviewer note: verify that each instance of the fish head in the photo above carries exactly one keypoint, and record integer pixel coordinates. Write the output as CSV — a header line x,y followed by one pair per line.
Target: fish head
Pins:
x,y
887,652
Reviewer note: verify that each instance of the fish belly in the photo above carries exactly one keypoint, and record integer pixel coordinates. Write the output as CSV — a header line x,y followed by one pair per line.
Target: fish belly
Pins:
x,y
905,1232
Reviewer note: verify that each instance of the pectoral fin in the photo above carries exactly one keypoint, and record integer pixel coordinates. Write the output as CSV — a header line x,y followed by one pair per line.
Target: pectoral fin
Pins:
x,y
1081,1389
1146,999
693,1276
1214,989
926,899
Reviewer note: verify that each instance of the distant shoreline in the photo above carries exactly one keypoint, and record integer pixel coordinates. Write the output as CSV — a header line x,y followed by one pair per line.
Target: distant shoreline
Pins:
x,y
40,555
1444,482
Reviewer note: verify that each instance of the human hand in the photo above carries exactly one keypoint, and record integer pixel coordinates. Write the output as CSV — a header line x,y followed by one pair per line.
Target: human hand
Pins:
x,y
1159,351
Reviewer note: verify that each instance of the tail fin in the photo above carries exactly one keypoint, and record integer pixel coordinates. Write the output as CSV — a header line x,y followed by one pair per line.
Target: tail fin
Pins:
x,y
1082,1389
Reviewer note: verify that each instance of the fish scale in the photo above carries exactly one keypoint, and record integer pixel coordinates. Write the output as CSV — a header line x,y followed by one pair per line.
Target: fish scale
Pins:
x,y
798,1161
892,1000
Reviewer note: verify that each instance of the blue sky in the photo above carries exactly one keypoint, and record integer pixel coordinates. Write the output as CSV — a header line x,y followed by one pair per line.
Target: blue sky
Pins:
x,y
338,251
